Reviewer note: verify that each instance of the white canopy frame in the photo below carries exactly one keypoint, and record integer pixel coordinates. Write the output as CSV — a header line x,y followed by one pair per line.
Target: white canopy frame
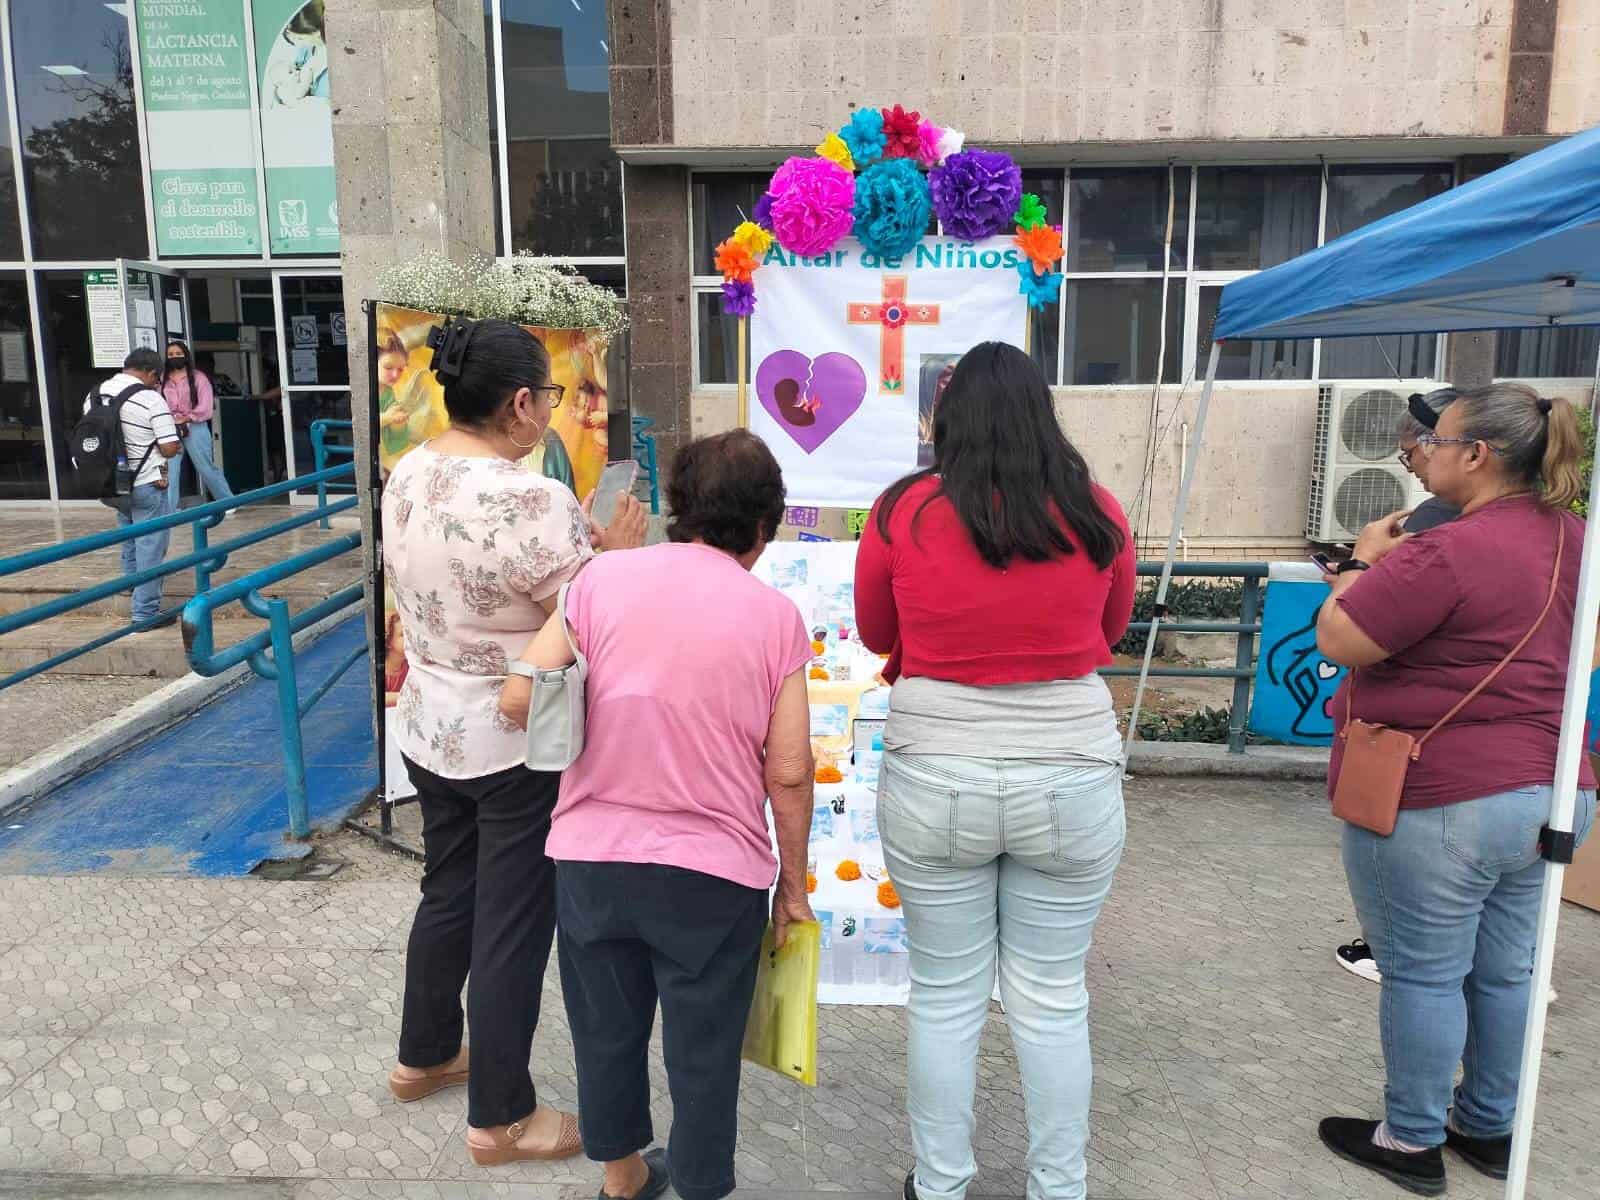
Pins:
x,y
1580,656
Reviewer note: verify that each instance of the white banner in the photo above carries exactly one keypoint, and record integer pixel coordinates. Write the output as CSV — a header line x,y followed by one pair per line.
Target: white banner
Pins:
x,y
849,354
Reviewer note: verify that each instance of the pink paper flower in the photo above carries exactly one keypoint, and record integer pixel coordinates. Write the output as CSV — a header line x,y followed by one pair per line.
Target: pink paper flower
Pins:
x,y
813,205
928,135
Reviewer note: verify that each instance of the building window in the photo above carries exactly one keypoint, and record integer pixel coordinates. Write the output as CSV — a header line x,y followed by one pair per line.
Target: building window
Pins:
x,y
565,182
1566,353
10,224
80,136
23,472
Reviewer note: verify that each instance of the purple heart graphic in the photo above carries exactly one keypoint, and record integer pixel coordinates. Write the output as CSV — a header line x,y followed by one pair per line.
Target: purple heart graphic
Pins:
x,y
810,398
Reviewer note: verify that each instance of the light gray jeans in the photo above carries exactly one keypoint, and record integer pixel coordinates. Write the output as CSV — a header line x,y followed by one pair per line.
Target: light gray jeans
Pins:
x,y
999,860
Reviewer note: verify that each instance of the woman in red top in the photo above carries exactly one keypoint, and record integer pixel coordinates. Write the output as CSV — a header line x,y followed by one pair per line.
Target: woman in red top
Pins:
x,y
998,580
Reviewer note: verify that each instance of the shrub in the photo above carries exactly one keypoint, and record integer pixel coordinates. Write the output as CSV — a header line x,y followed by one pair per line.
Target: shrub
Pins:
x,y
1193,599
1205,725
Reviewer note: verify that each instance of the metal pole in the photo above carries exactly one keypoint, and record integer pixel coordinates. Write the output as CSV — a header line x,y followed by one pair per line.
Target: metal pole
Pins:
x,y
1179,509
1580,660
1244,658
294,758
319,460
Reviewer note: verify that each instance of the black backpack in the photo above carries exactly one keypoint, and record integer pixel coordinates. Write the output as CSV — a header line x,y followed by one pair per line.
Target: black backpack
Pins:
x,y
98,446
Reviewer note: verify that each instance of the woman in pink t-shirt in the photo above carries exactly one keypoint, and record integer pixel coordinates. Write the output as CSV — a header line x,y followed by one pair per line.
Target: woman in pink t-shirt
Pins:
x,y
1449,900
696,713
189,395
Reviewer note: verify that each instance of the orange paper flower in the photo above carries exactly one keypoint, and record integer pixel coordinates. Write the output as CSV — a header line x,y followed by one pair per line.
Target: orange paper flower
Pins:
x,y
1042,245
817,673
828,773
887,896
737,264
811,883
848,870
819,647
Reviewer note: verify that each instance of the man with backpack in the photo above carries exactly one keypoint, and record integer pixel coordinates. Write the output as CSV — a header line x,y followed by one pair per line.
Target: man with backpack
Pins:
x,y
120,451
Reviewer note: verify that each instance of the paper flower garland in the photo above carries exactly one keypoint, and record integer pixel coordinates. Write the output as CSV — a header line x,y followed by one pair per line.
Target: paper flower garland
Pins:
x,y
834,150
735,262
738,298
892,207
975,193
753,238
1030,213
863,136
881,176
900,138
811,208
1039,289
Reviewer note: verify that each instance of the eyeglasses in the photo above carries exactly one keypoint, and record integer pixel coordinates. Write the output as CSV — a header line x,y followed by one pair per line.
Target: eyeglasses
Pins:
x,y
1428,442
556,390
1405,458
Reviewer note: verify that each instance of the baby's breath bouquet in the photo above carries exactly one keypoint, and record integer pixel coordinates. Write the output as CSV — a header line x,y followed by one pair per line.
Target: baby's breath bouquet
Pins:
x,y
521,289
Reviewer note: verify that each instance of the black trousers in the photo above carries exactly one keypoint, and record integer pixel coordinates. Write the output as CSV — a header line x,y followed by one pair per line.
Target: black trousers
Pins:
x,y
488,907
632,934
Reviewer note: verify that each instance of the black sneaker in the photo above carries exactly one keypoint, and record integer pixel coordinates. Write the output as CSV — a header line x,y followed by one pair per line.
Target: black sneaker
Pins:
x,y
1492,1156
1356,957
1350,1138
911,1186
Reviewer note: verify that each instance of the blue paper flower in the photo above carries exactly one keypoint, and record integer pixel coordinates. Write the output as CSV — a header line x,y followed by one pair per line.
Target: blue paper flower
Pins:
x,y
1039,289
892,207
865,137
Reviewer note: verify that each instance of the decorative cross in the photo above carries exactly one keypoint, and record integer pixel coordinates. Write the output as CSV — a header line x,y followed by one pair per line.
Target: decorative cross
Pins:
x,y
892,314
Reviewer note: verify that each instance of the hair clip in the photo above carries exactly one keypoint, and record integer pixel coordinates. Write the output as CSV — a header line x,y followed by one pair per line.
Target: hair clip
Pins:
x,y
1417,405
1545,404
449,345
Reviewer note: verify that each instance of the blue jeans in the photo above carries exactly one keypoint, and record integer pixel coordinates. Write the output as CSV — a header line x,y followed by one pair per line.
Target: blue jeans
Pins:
x,y
1449,904
142,553
1011,860
197,448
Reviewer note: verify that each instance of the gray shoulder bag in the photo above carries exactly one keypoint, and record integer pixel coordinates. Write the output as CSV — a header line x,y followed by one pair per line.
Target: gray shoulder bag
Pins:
x,y
556,713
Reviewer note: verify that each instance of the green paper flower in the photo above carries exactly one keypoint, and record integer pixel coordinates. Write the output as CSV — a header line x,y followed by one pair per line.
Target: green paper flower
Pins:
x,y
1030,213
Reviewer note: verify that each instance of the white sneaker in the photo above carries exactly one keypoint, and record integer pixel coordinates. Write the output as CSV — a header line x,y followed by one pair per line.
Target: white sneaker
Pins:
x,y
1356,957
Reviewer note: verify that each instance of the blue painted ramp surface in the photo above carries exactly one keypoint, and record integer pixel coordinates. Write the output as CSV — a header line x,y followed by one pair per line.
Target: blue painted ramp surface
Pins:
x,y
206,797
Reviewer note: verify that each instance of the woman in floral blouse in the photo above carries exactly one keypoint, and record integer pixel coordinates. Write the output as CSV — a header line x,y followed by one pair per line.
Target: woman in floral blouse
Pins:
x,y
475,549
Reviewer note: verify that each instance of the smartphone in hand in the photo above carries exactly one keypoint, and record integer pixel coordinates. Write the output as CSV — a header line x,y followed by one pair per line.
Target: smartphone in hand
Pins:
x,y
616,481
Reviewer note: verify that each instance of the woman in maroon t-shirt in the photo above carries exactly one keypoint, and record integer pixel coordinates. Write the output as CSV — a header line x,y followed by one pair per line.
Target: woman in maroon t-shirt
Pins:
x,y
1449,901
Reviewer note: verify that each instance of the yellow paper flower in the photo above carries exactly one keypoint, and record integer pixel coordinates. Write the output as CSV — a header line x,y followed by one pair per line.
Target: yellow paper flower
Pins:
x,y
753,238
834,150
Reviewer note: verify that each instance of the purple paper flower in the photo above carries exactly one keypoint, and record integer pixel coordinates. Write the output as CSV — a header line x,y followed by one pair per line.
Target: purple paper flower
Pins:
x,y
738,298
812,205
762,213
975,193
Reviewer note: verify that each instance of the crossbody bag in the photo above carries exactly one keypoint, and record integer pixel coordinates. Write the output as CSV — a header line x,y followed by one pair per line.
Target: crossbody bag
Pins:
x,y
1376,757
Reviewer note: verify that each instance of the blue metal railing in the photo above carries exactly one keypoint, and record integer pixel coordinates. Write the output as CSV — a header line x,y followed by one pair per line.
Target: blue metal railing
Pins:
x,y
204,560
322,450
270,652
1244,632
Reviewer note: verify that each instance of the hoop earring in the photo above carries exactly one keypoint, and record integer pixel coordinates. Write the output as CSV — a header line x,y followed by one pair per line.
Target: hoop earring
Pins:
x,y
521,446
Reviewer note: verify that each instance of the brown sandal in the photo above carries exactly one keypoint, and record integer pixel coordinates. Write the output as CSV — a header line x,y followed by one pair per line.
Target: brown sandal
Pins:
x,y
505,1150
407,1088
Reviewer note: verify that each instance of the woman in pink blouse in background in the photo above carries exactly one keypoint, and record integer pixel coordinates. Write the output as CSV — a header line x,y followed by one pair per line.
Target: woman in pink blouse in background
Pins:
x,y
189,396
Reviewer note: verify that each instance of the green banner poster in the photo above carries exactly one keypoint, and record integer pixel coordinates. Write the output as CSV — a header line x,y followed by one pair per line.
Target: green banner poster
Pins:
x,y
296,126
194,74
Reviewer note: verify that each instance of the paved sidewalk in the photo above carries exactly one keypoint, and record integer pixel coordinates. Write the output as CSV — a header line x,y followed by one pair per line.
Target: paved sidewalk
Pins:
x,y
229,1039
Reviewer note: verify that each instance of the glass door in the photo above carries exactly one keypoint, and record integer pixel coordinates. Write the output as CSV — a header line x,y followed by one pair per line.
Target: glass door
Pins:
x,y
313,367
155,304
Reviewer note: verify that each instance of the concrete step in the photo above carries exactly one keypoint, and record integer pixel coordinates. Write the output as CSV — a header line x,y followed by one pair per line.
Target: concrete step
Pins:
x,y
156,653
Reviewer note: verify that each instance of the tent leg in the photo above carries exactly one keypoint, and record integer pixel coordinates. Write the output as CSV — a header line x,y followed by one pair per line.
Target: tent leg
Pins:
x,y
1182,506
1563,802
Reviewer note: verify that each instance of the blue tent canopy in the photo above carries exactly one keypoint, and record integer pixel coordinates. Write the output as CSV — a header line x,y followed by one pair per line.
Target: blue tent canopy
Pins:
x,y
1517,248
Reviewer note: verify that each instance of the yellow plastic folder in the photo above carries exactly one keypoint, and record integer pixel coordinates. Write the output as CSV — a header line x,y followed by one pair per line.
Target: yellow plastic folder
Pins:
x,y
781,1034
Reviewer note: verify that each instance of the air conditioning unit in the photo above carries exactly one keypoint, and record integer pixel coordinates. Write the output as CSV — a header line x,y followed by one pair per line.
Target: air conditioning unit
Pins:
x,y
1356,477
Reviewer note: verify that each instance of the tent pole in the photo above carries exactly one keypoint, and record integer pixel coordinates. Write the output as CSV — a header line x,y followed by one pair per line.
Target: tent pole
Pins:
x,y
743,376
1569,754
1182,506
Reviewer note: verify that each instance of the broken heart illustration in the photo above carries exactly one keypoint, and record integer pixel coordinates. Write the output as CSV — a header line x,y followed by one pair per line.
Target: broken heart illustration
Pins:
x,y
810,398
